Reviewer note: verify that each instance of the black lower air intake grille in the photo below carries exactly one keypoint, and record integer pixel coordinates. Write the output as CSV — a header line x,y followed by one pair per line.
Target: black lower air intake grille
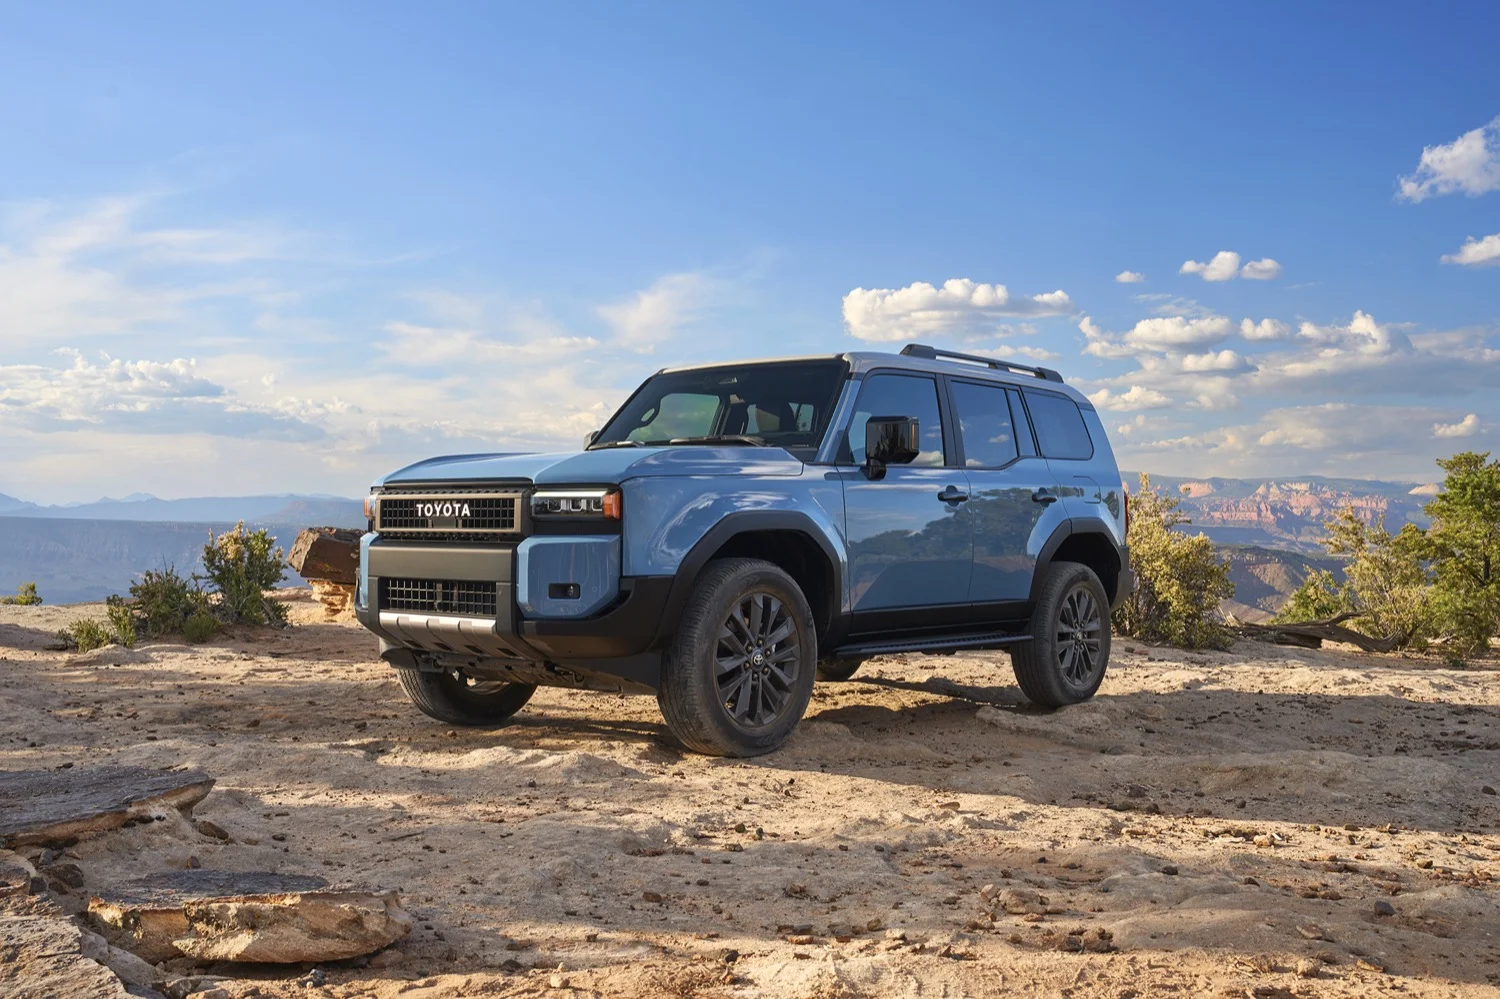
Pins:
x,y
439,596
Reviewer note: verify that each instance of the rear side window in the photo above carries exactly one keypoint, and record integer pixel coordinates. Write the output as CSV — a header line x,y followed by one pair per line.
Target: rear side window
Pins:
x,y
1060,429
984,424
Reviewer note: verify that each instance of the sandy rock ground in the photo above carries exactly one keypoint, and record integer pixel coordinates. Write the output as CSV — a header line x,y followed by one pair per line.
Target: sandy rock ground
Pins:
x,y
1261,822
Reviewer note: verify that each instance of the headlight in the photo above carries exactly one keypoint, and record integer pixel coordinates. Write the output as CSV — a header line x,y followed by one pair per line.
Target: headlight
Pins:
x,y
576,504
372,501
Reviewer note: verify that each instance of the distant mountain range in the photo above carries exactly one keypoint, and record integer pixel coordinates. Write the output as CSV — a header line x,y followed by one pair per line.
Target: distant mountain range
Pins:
x,y
1289,513
332,511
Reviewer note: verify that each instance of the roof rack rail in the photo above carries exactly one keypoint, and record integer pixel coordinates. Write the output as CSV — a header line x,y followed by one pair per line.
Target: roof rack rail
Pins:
x,y
934,353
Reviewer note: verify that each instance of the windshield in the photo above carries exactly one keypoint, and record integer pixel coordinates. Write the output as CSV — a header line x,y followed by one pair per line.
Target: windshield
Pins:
x,y
781,404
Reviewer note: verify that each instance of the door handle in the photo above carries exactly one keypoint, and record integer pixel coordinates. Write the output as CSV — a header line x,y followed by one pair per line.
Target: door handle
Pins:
x,y
953,494
1043,496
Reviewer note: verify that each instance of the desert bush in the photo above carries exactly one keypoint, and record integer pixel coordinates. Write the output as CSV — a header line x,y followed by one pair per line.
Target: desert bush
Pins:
x,y
87,634
200,627
163,600
1179,581
121,620
241,566
25,595
1321,597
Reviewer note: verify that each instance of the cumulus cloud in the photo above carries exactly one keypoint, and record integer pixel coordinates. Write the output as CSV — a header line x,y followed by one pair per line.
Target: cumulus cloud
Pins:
x,y
1130,277
653,314
1225,266
141,397
1261,270
1476,252
1177,332
960,306
1266,329
1470,164
1134,398
1467,427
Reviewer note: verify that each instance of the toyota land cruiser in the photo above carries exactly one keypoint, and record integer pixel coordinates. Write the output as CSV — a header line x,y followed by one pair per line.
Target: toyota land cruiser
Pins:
x,y
736,530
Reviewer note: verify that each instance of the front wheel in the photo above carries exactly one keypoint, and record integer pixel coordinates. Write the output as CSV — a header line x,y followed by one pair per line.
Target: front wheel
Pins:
x,y
459,700
1065,660
738,674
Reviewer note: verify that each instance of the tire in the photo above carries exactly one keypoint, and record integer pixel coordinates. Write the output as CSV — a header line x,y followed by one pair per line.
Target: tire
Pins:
x,y
838,669
451,698
1054,668
716,698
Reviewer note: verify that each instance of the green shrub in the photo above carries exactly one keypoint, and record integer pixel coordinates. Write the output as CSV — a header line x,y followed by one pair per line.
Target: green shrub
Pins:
x,y
121,620
241,566
25,595
1321,597
87,634
200,627
1179,581
1462,548
163,600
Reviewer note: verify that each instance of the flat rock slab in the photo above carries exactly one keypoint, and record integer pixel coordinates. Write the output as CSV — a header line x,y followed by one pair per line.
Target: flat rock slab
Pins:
x,y
58,806
251,916
41,955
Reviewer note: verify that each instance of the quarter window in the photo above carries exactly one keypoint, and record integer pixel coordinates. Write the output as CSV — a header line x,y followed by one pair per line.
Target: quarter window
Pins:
x,y
984,423
1060,429
899,395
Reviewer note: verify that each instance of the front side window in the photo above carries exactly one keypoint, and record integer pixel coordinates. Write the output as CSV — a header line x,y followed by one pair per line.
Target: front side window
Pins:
x,y
899,395
984,424
1060,429
781,404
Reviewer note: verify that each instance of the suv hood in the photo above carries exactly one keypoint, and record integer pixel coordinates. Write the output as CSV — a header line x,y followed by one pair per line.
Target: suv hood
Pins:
x,y
606,466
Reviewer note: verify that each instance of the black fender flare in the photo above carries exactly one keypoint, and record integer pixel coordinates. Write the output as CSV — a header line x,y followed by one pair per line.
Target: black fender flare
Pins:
x,y
748,522
1064,531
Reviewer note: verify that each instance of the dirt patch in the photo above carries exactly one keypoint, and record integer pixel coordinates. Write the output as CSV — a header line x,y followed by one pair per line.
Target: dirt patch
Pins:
x,y
1211,824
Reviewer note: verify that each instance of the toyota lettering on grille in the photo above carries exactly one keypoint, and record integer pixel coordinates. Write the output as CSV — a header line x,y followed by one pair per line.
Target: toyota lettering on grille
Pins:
x,y
444,510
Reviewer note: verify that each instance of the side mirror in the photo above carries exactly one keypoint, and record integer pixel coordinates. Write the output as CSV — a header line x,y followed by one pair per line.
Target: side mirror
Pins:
x,y
589,438
891,440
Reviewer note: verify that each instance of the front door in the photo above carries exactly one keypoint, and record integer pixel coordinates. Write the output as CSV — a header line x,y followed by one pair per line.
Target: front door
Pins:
x,y
908,532
1014,506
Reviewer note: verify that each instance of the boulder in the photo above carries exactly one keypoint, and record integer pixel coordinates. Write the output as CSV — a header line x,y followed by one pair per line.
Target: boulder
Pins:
x,y
58,806
41,954
250,916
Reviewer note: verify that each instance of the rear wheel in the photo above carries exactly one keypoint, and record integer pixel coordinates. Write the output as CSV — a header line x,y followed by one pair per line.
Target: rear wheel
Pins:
x,y
1065,660
459,700
738,674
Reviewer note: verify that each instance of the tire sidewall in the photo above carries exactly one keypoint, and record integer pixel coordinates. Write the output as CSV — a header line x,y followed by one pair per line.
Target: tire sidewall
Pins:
x,y
694,652
1047,623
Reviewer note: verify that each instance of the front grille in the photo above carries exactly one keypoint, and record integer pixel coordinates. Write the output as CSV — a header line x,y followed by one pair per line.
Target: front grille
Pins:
x,y
439,596
439,513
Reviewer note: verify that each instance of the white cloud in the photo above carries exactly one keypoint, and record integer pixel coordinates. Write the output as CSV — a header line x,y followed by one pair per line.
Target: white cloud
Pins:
x,y
1130,277
1220,360
1467,427
1134,398
959,307
1266,329
1223,267
1261,270
1476,252
653,314
1177,333
1469,164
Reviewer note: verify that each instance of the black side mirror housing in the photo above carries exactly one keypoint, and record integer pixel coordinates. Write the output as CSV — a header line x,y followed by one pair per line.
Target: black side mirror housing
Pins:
x,y
891,440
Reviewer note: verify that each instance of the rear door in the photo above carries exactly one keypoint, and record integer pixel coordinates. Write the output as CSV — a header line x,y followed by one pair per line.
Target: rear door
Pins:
x,y
909,537
1069,450
1013,504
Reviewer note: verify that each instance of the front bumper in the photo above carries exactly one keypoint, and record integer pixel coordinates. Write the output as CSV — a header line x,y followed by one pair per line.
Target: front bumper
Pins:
x,y
615,646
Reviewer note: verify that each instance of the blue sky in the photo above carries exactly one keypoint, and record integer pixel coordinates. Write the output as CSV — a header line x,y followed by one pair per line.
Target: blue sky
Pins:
x,y
288,247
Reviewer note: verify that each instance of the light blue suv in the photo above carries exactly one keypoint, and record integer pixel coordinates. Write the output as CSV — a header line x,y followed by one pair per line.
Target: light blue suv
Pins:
x,y
737,530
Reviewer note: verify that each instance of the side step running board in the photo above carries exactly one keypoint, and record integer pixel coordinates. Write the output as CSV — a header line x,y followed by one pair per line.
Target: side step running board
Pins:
x,y
991,641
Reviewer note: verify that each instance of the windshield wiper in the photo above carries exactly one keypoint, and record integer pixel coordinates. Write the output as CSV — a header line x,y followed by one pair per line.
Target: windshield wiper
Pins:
x,y
721,439
623,443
